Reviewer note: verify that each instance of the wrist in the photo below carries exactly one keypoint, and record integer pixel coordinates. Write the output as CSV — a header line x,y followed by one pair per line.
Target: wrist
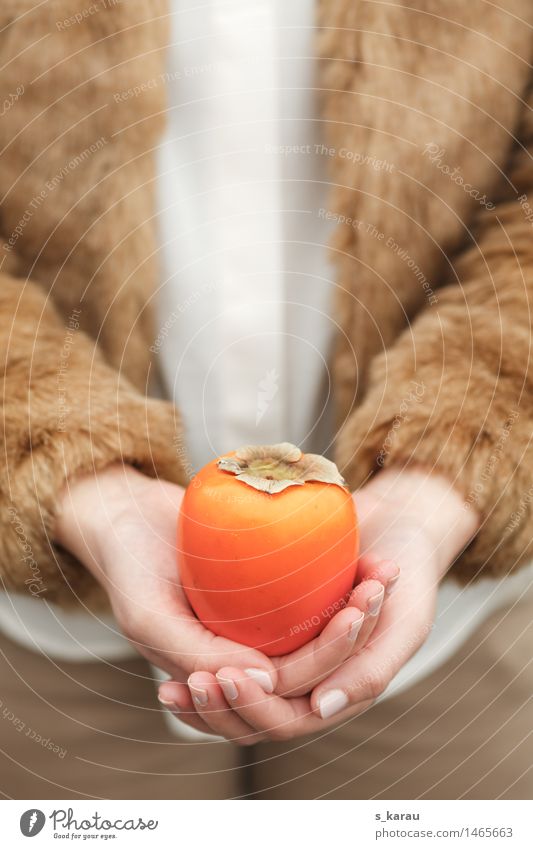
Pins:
x,y
431,502
88,506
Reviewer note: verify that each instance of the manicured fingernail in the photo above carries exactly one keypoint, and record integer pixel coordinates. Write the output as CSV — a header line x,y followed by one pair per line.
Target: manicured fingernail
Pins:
x,y
354,629
229,687
199,695
261,677
331,703
375,603
168,704
392,583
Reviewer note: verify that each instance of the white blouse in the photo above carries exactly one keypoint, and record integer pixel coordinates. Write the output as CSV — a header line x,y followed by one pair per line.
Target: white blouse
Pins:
x,y
246,289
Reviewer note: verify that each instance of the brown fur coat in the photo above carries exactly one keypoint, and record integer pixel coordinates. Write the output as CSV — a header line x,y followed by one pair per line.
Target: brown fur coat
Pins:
x,y
434,251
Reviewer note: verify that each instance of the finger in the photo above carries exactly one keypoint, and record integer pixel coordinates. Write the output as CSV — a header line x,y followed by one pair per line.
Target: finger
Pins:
x,y
378,578
179,703
300,671
364,677
278,718
368,597
371,567
213,709
178,700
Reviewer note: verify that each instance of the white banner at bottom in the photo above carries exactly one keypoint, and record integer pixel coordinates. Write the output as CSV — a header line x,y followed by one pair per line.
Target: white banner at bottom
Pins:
x,y
265,824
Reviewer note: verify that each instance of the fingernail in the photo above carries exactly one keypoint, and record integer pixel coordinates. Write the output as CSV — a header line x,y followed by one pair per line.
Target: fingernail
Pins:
x,y
331,703
261,677
375,603
392,583
199,695
354,629
229,687
171,705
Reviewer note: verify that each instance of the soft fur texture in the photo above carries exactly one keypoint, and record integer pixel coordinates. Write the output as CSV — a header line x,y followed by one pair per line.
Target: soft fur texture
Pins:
x,y
449,309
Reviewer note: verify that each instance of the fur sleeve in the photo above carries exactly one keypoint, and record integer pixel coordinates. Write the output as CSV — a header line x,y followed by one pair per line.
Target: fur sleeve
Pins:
x,y
65,412
454,393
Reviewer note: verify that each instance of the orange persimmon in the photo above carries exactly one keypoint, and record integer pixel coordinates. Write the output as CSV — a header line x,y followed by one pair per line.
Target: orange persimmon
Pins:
x,y
268,544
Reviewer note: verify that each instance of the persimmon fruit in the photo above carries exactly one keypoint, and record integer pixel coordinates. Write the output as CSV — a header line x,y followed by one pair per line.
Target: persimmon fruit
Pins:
x,y
267,546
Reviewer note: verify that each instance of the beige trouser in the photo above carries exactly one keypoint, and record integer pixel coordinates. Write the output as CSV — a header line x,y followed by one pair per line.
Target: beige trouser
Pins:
x,y
78,730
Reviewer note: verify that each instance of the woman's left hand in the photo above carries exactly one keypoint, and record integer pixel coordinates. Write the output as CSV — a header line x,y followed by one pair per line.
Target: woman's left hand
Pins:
x,y
412,525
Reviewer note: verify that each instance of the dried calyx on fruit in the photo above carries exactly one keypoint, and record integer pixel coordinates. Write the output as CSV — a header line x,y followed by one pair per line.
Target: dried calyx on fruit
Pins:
x,y
273,468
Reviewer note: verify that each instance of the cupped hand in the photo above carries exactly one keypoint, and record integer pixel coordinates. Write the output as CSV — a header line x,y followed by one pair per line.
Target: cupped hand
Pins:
x,y
414,520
